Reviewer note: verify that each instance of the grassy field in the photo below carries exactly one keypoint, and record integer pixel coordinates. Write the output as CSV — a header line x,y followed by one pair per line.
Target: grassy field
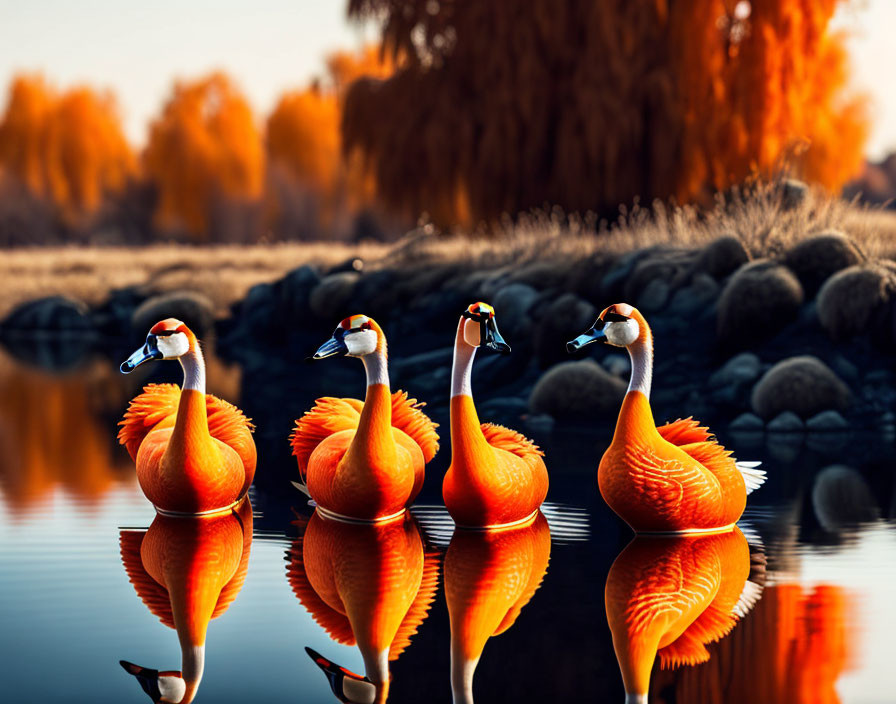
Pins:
x,y
762,220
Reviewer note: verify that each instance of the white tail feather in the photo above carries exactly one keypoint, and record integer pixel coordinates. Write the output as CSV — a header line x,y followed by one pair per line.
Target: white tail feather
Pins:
x,y
748,598
753,477
301,487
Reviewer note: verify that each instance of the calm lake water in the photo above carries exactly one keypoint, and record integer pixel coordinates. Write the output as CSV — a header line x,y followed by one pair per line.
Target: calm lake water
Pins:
x,y
822,543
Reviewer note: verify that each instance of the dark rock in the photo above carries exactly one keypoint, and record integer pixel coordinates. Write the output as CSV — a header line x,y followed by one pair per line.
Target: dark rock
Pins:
x,y
512,304
758,301
420,364
612,287
786,422
566,317
803,385
617,364
294,291
851,299
793,193
53,314
826,422
194,309
722,257
330,299
375,294
747,423
740,369
692,300
654,296
581,390
841,498
820,256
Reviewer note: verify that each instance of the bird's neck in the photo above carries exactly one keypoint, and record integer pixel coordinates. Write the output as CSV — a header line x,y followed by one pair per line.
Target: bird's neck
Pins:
x,y
462,670
463,364
467,440
374,433
641,354
192,667
190,435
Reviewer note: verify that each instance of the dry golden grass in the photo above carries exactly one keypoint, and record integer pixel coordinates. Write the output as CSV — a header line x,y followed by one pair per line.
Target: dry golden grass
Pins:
x,y
223,273
226,272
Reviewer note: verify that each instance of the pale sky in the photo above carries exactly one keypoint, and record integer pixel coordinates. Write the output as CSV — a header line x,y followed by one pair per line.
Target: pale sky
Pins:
x,y
269,46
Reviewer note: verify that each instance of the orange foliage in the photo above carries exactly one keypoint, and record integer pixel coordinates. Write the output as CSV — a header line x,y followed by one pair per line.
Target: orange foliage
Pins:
x,y
68,148
303,139
503,106
204,149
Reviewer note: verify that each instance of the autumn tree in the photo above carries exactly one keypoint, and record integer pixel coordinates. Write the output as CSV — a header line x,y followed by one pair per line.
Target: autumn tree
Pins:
x,y
68,148
501,106
307,170
206,160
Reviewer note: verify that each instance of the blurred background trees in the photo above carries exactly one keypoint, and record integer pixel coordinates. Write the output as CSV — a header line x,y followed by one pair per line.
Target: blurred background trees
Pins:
x,y
465,112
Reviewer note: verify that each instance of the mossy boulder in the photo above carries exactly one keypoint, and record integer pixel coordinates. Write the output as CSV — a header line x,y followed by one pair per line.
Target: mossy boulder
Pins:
x,y
820,256
841,498
759,300
803,385
194,309
580,390
723,256
512,305
853,299
330,298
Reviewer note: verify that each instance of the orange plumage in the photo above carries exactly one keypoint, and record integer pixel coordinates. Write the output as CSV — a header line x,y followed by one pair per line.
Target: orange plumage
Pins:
x,y
364,460
194,452
672,596
675,478
497,476
489,577
188,571
366,585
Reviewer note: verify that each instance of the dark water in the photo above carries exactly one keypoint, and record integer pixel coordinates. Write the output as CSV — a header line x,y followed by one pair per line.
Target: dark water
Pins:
x,y
823,551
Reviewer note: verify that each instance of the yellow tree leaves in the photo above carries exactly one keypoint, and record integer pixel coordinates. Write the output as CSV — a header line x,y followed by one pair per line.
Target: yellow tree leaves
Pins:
x,y
504,106
203,150
68,148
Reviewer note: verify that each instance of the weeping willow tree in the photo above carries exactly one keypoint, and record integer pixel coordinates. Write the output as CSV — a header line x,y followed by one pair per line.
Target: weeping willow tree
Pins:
x,y
500,106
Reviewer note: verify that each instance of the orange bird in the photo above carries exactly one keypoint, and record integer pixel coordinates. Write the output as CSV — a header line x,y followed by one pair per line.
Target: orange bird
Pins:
x,y
671,479
489,577
369,585
363,460
671,596
497,477
194,452
187,571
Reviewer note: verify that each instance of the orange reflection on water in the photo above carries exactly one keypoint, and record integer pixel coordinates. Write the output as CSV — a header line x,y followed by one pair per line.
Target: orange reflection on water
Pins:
x,y
51,434
489,578
668,597
366,585
791,649
187,571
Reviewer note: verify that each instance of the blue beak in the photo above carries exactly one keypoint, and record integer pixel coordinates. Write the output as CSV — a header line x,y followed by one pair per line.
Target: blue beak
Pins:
x,y
595,334
335,345
144,354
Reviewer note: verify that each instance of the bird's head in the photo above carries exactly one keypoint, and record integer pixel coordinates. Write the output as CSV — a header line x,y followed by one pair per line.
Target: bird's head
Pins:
x,y
481,328
167,339
619,325
356,336
349,687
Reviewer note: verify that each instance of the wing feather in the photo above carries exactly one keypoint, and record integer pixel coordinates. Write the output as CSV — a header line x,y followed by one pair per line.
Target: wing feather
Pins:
x,y
510,440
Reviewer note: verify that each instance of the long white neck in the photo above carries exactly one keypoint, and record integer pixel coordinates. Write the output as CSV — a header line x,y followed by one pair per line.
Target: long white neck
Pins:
x,y
463,364
376,665
194,370
462,678
377,368
641,353
192,667
635,699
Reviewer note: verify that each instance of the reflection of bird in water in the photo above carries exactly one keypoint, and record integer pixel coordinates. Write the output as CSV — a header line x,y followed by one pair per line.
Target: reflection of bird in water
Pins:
x,y
497,477
669,597
791,649
194,452
369,585
363,459
489,577
675,478
187,571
